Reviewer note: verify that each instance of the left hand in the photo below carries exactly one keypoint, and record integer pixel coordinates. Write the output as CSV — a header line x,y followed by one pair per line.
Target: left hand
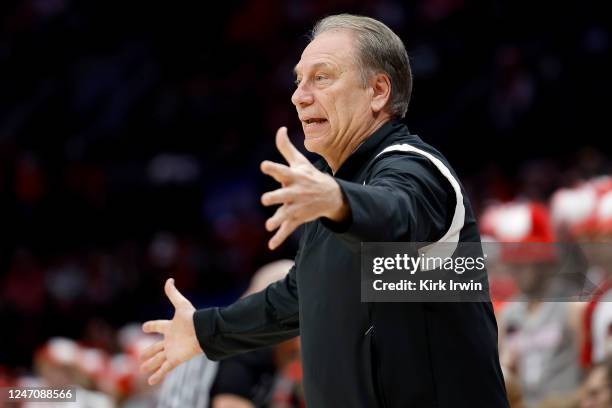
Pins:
x,y
306,192
179,342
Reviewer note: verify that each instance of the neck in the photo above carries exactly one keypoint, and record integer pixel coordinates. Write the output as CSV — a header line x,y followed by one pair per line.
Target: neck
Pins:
x,y
354,141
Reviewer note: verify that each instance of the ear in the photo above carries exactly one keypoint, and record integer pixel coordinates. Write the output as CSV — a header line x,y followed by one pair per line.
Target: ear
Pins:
x,y
381,91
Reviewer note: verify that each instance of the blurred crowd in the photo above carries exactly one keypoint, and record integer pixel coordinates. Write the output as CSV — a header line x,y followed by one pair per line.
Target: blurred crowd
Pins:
x,y
101,377
130,139
551,284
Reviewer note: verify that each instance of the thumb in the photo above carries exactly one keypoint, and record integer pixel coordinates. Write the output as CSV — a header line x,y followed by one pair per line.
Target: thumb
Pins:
x,y
286,148
174,295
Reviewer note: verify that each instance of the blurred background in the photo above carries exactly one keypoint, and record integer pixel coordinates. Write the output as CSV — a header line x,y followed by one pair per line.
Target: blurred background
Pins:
x,y
131,135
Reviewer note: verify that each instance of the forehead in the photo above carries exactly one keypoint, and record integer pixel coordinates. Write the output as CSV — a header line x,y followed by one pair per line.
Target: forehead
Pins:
x,y
334,47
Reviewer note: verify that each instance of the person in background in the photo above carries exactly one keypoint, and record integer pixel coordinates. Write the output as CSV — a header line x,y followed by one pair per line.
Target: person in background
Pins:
x,y
584,214
62,362
247,380
538,339
243,381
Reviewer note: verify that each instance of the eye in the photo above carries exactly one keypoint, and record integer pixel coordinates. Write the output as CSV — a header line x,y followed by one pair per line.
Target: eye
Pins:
x,y
320,77
297,81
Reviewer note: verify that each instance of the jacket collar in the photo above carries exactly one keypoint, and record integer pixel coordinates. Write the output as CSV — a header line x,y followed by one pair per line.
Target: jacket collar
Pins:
x,y
376,142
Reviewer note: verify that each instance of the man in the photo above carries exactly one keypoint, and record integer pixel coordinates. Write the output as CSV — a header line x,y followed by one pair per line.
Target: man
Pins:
x,y
377,182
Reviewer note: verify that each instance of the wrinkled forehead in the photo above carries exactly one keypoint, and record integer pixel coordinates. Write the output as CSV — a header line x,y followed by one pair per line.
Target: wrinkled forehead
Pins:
x,y
335,47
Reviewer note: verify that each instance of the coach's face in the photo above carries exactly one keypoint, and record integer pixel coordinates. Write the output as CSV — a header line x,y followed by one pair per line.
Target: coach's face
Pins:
x,y
331,100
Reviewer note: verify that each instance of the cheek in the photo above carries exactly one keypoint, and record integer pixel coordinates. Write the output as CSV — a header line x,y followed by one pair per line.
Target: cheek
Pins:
x,y
356,102
343,104
330,105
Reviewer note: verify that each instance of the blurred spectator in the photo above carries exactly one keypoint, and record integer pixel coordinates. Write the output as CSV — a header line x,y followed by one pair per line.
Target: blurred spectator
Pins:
x,y
539,340
242,381
62,363
247,381
584,214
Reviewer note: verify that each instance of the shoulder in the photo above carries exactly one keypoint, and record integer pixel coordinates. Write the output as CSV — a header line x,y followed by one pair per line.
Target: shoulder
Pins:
x,y
411,162
411,151
416,166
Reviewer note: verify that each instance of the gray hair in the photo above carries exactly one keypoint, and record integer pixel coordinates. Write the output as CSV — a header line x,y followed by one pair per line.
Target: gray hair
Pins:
x,y
380,51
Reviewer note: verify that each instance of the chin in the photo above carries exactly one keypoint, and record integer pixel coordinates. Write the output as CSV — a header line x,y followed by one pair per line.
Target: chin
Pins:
x,y
311,146
315,144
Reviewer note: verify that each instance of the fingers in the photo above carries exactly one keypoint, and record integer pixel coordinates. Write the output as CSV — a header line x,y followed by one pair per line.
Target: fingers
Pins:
x,y
156,326
151,351
286,148
277,219
159,375
153,364
281,235
280,172
174,295
280,196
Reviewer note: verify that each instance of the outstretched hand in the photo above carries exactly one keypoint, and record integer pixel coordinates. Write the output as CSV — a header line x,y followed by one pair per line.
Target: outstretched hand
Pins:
x,y
306,193
179,342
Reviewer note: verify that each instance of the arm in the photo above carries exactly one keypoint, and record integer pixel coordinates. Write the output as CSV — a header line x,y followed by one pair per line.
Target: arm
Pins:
x,y
264,318
258,320
409,196
261,319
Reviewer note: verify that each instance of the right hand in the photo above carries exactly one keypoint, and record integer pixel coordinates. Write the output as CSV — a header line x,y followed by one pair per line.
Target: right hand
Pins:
x,y
305,194
179,342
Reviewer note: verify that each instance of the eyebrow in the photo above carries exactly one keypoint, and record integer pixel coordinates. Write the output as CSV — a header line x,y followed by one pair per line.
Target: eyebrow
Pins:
x,y
314,67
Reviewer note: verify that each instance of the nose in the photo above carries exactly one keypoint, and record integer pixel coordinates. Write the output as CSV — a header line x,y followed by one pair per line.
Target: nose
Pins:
x,y
302,96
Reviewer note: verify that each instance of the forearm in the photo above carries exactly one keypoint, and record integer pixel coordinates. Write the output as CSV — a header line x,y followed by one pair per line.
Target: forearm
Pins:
x,y
262,319
373,214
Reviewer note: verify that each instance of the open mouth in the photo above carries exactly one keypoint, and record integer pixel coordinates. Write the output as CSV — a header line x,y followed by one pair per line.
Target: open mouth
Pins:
x,y
314,123
315,120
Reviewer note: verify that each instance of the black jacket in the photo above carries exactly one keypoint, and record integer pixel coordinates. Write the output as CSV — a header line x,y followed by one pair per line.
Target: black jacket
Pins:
x,y
355,354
